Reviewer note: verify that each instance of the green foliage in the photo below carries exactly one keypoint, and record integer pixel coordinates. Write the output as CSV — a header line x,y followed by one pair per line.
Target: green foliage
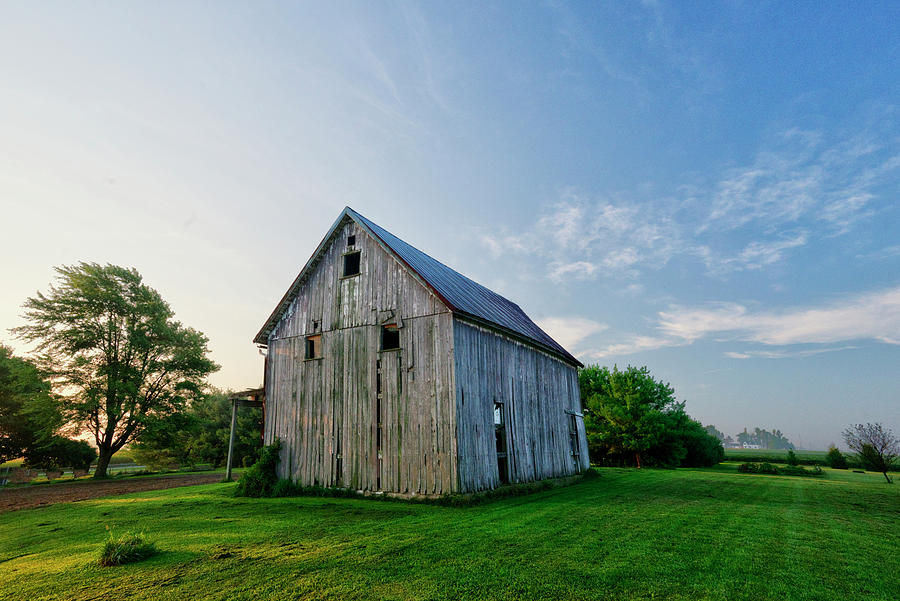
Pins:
x,y
127,548
59,453
789,470
792,458
632,418
714,432
199,435
29,416
836,459
876,446
765,439
261,478
112,345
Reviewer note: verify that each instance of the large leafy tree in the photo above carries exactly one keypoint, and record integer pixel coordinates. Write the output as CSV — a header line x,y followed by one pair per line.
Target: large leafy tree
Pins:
x,y
29,416
114,351
632,416
876,446
624,409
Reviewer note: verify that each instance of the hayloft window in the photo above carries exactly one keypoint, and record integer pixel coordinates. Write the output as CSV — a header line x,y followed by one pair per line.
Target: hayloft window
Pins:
x,y
351,264
314,347
390,337
351,240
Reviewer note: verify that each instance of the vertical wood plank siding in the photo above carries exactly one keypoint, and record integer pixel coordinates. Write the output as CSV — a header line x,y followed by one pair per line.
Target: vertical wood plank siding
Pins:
x,y
324,410
539,395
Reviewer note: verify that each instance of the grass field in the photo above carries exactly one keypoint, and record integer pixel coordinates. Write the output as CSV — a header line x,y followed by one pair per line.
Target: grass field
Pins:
x,y
630,534
775,454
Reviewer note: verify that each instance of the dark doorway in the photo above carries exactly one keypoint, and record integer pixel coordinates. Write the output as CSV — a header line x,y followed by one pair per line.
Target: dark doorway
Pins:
x,y
500,436
573,437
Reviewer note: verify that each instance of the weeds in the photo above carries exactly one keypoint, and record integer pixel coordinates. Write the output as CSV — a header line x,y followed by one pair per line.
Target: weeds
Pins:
x,y
127,548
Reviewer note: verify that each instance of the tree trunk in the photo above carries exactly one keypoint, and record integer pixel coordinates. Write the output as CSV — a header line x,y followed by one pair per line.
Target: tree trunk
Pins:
x,y
105,454
637,457
886,477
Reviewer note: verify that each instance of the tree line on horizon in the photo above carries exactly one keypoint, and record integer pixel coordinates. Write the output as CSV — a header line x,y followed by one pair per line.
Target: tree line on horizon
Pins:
x,y
774,440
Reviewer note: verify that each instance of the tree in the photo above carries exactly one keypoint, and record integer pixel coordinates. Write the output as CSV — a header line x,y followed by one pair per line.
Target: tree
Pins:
x,y
836,459
630,415
877,447
29,416
200,434
624,408
792,457
60,452
714,432
115,352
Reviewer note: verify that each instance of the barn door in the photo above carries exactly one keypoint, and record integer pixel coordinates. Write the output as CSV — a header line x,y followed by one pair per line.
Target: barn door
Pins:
x,y
501,441
387,419
575,439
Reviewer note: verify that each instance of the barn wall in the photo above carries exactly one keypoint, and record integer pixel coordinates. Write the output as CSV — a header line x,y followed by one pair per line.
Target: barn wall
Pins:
x,y
536,391
324,410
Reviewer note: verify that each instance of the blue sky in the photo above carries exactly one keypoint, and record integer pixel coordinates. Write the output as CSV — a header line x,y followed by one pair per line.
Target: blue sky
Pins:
x,y
708,189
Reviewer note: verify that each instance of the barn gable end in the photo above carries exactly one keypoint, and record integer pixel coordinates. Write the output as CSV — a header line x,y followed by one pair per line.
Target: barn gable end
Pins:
x,y
385,368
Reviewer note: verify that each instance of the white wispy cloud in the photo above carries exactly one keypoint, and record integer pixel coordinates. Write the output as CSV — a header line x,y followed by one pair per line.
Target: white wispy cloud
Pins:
x,y
870,316
570,331
784,354
634,344
578,239
801,186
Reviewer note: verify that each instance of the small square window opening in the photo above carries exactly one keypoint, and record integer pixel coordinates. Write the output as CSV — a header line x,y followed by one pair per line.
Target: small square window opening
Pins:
x,y
351,264
314,347
390,337
351,240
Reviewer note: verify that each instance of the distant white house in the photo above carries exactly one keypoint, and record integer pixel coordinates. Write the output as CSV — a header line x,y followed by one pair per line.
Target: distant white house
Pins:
x,y
747,445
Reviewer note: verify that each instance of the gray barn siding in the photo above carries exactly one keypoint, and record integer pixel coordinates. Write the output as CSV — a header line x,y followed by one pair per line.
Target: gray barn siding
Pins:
x,y
536,390
324,410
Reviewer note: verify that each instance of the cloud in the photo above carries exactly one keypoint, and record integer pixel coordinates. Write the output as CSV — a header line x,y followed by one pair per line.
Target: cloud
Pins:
x,y
784,354
579,270
635,344
756,255
578,239
802,186
872,316
570,331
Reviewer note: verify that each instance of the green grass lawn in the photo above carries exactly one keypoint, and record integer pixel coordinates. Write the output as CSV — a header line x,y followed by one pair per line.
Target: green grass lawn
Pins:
x,y
630,534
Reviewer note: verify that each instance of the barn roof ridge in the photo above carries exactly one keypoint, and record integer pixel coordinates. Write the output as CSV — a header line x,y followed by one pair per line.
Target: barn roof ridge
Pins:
x,y
460,294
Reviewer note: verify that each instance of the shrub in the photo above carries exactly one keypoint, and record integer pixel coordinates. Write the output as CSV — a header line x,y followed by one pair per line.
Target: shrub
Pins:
x,y
60,453
792,458
801,471
260,479
127,548
788,470
836,459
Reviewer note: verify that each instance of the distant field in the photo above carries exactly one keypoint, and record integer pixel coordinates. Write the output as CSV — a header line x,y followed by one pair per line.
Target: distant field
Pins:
x,y
780,456
777,454
631,534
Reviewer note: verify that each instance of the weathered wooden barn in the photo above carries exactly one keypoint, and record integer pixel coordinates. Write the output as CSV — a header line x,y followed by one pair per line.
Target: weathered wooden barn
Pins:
x,y
387,370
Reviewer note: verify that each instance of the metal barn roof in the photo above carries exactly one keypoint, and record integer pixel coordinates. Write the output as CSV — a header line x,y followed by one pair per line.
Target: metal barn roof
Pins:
x,y
461,295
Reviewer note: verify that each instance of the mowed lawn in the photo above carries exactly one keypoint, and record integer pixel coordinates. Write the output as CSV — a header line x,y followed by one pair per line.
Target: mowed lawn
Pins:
x,y
630,534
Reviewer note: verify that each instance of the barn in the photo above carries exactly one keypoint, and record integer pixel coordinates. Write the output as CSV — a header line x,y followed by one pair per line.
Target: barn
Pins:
x,y
386,370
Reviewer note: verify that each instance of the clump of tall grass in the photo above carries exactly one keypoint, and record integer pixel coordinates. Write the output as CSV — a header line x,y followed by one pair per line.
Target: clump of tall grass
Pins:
x,y
127,548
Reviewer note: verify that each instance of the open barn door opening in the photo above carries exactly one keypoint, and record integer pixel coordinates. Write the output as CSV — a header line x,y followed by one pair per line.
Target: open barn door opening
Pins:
x,y
502,446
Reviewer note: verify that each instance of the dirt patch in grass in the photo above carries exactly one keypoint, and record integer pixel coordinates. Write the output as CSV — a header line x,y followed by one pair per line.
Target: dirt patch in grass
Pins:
x,y
26,497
